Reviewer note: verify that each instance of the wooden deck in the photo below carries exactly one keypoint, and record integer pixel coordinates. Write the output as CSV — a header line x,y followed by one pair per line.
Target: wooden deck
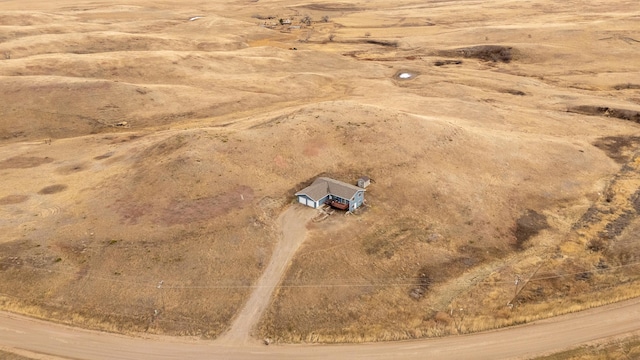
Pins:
x,y
338,205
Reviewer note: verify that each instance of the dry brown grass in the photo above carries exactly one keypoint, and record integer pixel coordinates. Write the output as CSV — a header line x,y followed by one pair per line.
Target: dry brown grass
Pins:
x,y
141,147
623,349
11,356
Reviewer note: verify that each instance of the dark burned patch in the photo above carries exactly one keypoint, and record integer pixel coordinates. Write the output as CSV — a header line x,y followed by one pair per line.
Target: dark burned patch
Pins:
x,y
584,276
619,148
24,162
187,211
424,281
431,274
104,156
447,62
635,201
513,92
529,225
627,86
385,43
471,256
613,229
597,245
332,7
492,53
356,54
71,169
622,114
591,216
52,189
13,199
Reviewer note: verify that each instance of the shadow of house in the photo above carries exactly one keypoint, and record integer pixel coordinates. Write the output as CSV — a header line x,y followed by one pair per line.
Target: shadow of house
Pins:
x,y
336,193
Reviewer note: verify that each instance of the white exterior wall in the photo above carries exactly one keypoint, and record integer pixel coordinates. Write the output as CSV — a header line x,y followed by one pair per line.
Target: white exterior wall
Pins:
x,y
306,201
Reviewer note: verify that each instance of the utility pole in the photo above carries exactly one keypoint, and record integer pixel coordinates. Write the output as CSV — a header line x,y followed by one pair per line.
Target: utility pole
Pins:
x,y
524,284
515,292
161,293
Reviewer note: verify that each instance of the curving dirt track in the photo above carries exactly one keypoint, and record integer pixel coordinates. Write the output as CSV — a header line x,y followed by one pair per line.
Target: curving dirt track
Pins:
x,y
292,225
18,332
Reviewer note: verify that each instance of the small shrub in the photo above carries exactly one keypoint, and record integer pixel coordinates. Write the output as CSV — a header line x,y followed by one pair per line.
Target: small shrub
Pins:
x,y
306,20
442,318
597,245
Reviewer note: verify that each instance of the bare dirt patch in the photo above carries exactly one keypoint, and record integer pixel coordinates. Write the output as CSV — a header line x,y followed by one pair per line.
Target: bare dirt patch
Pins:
x,y
53,189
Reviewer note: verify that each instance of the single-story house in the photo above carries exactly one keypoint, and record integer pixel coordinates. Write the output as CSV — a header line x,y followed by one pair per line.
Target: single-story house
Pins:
x,y
333,192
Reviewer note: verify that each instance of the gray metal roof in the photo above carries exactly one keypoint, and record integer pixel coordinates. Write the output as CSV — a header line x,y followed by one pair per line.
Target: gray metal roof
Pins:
x,y
324,186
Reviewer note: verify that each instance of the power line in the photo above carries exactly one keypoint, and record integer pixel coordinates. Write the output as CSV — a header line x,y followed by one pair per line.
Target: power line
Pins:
x,y
153,315
337,283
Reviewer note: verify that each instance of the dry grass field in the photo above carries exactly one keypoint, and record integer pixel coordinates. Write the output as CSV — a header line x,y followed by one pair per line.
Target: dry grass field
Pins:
x,y
618,349
11,356
147,149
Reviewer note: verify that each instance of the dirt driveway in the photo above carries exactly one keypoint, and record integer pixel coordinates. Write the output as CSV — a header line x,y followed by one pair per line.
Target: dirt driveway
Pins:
x,y
292,223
